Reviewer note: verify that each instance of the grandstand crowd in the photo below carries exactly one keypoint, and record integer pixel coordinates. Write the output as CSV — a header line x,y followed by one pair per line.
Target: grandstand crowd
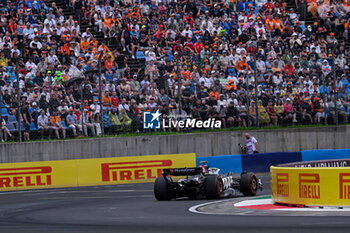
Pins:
x,y
207,45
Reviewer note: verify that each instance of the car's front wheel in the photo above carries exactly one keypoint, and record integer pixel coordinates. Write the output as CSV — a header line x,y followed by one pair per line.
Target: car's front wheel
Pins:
x,y
249,184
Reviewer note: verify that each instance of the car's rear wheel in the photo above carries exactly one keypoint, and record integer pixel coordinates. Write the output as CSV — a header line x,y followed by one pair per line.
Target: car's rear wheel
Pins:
x,y
161,189
249,184
213,187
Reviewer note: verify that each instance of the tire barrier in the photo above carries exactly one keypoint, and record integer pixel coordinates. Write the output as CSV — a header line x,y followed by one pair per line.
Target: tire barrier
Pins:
x,y
313,183
88,172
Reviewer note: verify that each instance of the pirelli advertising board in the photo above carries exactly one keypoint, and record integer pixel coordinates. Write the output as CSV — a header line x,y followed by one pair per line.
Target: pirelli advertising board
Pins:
x,y
319,186
88,172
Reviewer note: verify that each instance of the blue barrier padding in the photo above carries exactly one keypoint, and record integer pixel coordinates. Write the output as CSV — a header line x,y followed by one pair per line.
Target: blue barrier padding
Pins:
x,y
262,162
310,155
227,163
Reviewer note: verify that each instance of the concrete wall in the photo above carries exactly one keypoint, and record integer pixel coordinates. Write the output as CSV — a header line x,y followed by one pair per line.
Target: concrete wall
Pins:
x,y
203,144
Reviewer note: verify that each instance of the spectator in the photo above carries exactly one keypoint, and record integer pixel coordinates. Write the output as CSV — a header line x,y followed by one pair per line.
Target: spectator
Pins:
x,y
5,133
56,124
43,124
72,122
251,144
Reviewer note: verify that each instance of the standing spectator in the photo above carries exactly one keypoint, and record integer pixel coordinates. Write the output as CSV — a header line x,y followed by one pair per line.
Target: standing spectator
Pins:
x,y
25,121
251,144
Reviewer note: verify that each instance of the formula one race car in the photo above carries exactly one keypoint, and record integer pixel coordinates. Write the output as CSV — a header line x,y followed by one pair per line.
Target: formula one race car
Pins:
x,y
204,182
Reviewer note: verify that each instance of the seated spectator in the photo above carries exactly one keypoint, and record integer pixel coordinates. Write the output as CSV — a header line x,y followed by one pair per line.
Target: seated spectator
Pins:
x,y
5,133
72,122
43,124
56,125
125,120
87,123
114,118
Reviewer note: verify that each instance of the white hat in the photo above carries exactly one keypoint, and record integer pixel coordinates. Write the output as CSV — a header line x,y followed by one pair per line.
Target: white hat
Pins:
x,y
287,99
309,28
294,34
324,60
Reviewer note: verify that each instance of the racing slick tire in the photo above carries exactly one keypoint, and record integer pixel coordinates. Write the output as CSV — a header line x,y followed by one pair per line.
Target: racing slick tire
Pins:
x,y
249,184
161,189
213,187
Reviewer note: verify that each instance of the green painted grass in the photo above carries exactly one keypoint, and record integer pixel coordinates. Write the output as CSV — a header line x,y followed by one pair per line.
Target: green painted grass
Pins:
x,y
262,197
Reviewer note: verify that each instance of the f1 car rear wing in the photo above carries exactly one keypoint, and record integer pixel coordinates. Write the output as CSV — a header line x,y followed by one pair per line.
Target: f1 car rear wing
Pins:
x,y
182,171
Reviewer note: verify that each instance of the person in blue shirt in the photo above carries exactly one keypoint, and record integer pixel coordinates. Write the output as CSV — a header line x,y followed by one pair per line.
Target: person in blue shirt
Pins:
x,y
242,5
326,89
344,80
106,121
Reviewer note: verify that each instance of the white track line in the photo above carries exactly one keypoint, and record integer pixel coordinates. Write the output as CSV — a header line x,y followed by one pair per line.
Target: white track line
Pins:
x,y
193,209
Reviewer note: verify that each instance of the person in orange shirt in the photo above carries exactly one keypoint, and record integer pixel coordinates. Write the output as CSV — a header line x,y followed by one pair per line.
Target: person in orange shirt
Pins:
x,y
186,73
84,44
65,50
231,86
347,29
270,24
106,100
278,23
134,14
94,42
107,24
108,63
104,47
214,93
56,124
242,65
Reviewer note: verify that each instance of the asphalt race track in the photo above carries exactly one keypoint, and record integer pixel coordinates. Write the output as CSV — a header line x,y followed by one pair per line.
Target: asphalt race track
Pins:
x,y
133,208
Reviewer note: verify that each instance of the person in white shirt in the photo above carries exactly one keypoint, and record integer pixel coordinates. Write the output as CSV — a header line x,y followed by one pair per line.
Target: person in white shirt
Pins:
x,y
76,27
43,124
204,79
222,101
187,32
50,21
232,77
251,144
52,58
123,105
150,55
37,42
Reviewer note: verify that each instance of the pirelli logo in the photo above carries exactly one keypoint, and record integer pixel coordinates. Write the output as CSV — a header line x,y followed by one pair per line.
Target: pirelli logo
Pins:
x,y
344,185
135,170
282,184
25,176
309,186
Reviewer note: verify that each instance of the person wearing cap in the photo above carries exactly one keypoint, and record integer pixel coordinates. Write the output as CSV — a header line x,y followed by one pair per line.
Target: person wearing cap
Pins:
x,y
331,38
289,115
293,16
317,109
242,65
325,67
